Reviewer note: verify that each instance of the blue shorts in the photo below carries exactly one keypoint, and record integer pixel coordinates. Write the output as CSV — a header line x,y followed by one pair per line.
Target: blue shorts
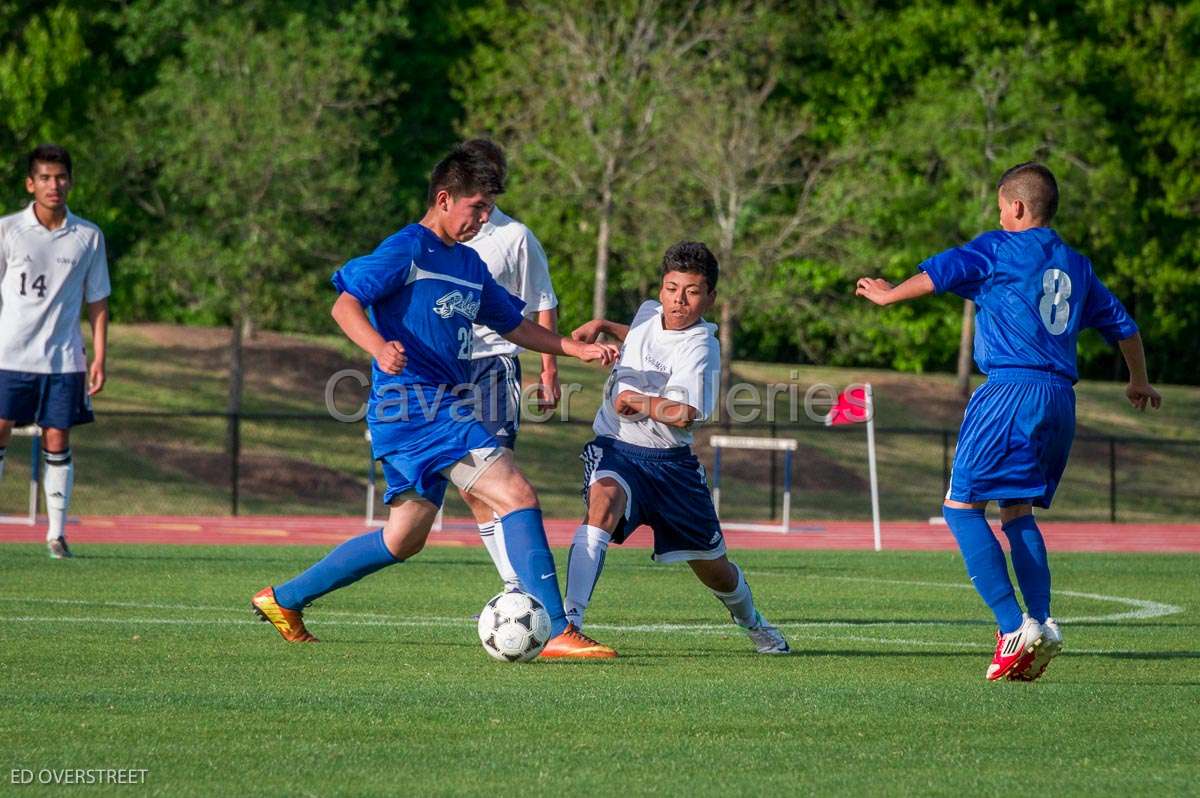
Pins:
x,y
56,401
416,446
665,489
499,397
1015,439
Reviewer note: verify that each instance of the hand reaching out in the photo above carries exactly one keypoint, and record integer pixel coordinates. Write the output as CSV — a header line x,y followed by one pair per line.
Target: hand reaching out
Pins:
x,y
873,289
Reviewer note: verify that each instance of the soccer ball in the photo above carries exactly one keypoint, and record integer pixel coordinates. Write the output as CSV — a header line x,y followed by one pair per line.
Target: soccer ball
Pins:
x,y
514,627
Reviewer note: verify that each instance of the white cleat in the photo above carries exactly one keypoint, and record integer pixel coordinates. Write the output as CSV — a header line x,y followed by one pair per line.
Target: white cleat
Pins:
x,y
1051,647
1015,650
58,549
766,638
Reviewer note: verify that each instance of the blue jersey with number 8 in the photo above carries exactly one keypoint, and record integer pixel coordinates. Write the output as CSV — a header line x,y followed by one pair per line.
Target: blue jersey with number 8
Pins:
x,y
1035,295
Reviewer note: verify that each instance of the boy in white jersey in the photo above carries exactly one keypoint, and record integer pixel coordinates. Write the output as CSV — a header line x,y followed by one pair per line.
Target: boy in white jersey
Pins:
x,y
51,263
640,468
516,260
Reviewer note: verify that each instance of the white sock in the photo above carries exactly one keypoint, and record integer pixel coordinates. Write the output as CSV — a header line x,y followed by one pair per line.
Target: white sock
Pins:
x,y
584,563
492,535
739,602
3,449
58,481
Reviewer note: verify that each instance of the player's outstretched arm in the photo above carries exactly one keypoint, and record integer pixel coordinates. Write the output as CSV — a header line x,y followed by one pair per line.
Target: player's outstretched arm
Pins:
x,y
539,339
349,314
665,411
1139,391
549,390
881,292
98,319
588,332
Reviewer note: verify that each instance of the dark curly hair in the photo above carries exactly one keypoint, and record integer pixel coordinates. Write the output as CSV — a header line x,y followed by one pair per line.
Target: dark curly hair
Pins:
x,y
694,258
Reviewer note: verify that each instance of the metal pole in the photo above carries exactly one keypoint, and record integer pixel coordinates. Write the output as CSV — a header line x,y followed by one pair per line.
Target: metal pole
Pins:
x,y
871,465
1112,480
774,473
235,451
35,476
787,490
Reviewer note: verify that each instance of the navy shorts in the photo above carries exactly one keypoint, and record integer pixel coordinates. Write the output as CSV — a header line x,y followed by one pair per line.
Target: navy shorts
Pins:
x,y
499,396
1015,440
665,489
56,401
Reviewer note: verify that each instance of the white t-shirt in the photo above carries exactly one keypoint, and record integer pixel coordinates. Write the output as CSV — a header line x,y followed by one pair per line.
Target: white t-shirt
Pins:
x,y
518,263
680,365
45,277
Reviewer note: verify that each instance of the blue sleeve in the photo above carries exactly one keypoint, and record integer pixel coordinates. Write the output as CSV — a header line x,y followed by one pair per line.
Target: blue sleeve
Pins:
x,y
373,277
963,270
499,309
1105,312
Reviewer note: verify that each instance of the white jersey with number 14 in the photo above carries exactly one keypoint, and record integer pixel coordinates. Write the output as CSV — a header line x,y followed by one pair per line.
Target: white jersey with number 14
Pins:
x,y
45,277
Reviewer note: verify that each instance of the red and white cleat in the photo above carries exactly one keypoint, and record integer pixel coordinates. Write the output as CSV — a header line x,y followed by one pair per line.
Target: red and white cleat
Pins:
x,y
1051,647
1015,650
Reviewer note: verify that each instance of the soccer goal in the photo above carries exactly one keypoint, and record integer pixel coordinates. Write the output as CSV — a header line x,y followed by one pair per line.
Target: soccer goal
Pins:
x,y
786,445
34,433
372,479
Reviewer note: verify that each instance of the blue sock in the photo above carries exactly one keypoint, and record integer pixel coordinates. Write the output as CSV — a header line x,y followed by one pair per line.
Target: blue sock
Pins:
x,y
529,554
985,565
345,565
1030,562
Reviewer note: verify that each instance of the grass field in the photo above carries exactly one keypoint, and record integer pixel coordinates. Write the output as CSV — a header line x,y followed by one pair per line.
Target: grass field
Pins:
x,y
147,657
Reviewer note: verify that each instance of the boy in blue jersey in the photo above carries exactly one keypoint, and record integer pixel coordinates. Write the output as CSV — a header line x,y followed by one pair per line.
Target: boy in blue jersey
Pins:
x,y
1035,295
410,304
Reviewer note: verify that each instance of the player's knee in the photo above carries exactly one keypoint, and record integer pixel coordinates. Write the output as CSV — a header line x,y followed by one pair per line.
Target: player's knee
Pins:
x,y
606,503
402,543
521,492
719,574
55,440
515,493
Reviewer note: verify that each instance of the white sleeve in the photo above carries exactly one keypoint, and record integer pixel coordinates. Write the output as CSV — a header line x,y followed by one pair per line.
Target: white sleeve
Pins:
x,y
628,374
695,375
96,285
536,288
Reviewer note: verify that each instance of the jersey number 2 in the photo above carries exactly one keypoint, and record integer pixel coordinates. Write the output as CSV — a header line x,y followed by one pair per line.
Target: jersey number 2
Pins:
x,y
38,284
465,339
1056,310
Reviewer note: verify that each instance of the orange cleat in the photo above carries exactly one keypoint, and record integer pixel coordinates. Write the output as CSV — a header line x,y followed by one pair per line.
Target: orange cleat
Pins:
x,y
290,623
574,644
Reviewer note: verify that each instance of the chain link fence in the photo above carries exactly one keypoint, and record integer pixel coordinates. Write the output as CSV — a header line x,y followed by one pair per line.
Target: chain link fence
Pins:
x,y
311,464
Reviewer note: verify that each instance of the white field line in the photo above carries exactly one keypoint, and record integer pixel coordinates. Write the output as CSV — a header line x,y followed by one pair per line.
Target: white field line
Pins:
x,y
703,629
1142,608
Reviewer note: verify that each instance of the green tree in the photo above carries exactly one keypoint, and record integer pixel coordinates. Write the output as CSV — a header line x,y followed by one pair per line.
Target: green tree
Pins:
x,y
578,91
952,96
248,152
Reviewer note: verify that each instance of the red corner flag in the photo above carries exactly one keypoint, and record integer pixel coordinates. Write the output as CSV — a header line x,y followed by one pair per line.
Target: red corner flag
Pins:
x,y
851,407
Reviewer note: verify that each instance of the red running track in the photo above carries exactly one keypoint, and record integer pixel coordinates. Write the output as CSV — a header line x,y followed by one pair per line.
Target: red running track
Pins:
x,y
325,531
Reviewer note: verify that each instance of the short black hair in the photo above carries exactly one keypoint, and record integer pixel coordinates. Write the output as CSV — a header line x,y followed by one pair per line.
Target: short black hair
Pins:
x,y
1033,184
49,153
490,150
463,172
694,258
